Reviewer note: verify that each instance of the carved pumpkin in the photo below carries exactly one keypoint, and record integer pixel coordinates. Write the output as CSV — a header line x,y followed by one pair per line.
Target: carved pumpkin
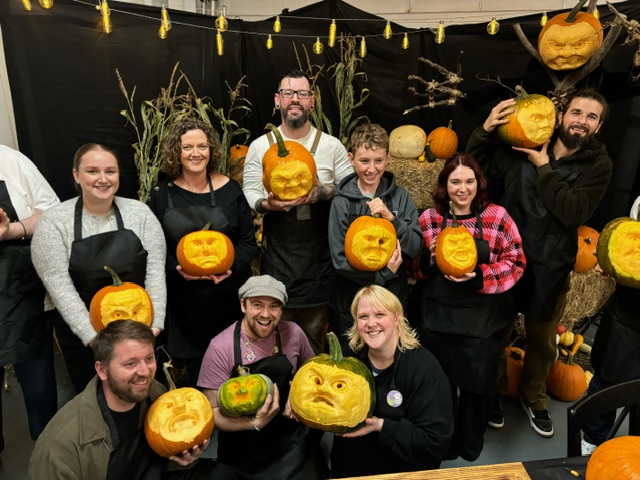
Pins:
x,y
333,393
566,379
615,459
587,242
569,40
515,364
441,143
237,155
205,252
244,394
456,251
618,251
531,123
407,141
120,301
288,169
178,420
369,243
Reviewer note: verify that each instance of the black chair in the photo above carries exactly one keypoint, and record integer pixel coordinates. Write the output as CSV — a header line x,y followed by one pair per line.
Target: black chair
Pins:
x,y
622,395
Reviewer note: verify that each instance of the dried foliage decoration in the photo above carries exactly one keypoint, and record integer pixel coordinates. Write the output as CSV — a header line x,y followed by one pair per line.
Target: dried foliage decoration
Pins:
x,y
633,37
317,117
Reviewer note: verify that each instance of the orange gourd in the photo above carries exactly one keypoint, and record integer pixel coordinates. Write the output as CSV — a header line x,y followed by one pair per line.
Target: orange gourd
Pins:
x,y
566,380
369,243
120,301
456,251
288,169
205,252
615,459
531,123
515,364
441,143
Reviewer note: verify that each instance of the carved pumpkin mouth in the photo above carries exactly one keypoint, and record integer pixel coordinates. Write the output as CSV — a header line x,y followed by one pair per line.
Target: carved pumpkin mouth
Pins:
x,y
323,400
183,421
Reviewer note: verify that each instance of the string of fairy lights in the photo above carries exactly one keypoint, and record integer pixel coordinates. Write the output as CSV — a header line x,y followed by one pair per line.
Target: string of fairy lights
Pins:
x,y
221,25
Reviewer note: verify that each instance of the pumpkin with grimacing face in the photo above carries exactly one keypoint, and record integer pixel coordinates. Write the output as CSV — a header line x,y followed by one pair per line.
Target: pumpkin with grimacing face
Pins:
x,y
244,394
333,393
369,243
288,168
618,251
456,251
205,252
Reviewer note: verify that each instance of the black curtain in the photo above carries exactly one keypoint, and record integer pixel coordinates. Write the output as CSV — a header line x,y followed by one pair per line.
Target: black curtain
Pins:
x,y
65,92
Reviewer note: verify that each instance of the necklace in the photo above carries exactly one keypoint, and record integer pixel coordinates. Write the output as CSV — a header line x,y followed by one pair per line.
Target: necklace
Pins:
x,y
194,190
249,354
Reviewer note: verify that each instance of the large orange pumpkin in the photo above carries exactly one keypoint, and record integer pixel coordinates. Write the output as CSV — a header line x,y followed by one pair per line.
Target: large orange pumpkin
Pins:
x,y
615,459
205,252
566,379
569,40
120,301
619,251
369,243
456,251
587,242
531,123
441,143
515,364
288,169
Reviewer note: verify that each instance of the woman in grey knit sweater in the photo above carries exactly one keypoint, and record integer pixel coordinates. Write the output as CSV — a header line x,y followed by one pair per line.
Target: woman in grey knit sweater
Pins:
x,y
76,239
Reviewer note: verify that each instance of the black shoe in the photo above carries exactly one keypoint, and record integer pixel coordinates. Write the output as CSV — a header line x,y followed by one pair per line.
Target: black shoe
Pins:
x,y
540,421
496,418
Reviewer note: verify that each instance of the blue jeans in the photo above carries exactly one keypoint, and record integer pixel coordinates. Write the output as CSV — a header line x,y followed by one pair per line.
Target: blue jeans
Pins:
x,y
597,430
37,378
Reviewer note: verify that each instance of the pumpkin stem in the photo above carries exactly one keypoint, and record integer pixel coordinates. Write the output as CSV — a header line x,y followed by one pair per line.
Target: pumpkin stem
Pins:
x,y
453,214
165,368
569,358
206,227
574,12
450,126
335,351
242,370
521,93
515,354
429,154
117,281
282,149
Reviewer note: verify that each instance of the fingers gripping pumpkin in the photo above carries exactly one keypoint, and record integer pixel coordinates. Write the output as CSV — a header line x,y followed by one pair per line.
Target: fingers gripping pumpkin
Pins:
x,y
288,169
244,394
456,251
619,251
369,243
333,393
531,123
120,301
205,252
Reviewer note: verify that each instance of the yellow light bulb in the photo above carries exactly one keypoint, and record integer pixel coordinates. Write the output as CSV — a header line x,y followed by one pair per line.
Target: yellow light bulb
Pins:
x,y
165,20
277,26
405,42
219,44
332,33
318,47
493,26
162,31
440,32
46,3
363,48
106,17
544,19
221,22
27,5
387,33
269,42
596,13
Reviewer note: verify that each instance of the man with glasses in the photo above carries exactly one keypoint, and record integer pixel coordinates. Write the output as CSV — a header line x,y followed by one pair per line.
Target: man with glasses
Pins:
x,y
295,242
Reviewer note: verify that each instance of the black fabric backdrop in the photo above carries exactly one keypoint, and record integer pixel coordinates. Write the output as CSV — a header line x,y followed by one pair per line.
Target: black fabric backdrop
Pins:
x,y
65,92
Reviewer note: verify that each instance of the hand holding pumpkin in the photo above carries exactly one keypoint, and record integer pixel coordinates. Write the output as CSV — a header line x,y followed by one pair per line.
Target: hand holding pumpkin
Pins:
x,y
267,412
498,115
378,207
536,157
187,457
215,278
372,424
396,258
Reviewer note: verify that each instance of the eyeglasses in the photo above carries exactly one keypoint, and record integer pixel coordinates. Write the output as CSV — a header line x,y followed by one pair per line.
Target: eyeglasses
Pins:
x,y
302,94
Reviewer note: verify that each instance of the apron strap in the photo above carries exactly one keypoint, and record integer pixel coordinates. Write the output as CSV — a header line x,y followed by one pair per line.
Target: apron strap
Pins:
x,y
237,354
211,193
77,219
314,145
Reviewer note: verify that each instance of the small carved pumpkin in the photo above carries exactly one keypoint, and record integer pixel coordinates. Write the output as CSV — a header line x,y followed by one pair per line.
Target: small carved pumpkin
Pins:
x,y
288,169
407,141
618,251
244,394
515,364
178,420
587,242
237,155
531,123
566,380
615,459
369,243
456,251
205,252
569,39
441,143
120,301
333,393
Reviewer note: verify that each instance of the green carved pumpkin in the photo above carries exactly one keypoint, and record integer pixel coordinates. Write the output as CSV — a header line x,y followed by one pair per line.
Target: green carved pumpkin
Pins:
x,y
618,251
333,393
244,395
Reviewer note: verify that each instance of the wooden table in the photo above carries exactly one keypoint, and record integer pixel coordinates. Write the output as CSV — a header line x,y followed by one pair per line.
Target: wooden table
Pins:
x,y
500,471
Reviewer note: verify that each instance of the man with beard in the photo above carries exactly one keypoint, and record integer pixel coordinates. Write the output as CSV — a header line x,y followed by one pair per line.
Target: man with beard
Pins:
x,y
295,247
549,193
99,433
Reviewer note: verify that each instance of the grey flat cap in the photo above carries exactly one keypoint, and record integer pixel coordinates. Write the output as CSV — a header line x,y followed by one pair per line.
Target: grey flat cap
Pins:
x,y
263,286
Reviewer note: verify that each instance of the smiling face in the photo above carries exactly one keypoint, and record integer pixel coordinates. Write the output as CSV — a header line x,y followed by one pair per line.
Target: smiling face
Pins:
x,y
261,315
462,187
580,122
294,111
369,164
98,176
194,153
377,326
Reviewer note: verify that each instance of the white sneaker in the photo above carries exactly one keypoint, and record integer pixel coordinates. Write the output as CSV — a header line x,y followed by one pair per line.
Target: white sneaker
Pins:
x,y
587,448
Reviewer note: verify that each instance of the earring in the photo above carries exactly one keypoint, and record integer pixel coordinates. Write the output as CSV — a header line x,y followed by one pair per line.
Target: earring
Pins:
x,y
277,106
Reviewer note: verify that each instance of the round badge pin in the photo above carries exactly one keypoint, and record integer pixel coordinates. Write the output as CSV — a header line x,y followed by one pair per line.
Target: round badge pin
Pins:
x,y
394,398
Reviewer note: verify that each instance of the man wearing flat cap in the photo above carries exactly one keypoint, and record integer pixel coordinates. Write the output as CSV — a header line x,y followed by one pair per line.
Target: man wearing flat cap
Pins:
x,y
269,444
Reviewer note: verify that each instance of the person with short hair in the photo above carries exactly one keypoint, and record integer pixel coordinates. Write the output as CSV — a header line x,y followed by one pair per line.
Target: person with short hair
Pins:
x,y
270,444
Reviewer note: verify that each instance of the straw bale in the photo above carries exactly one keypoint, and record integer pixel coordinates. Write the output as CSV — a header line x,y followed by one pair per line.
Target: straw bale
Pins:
x,y
588,292
418,178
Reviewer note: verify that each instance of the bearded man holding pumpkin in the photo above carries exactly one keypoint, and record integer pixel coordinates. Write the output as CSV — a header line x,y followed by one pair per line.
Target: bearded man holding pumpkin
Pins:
x,y
549,192
295,248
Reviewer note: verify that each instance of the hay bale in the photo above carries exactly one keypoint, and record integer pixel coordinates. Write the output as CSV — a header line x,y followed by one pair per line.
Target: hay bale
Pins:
x,y
418,178
588,292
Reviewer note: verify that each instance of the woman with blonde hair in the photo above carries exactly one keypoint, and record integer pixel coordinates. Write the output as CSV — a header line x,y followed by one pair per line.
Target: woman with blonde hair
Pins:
x,y
412,423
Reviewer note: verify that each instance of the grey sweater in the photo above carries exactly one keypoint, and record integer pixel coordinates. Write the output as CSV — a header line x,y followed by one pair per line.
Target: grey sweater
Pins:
x,y
51,249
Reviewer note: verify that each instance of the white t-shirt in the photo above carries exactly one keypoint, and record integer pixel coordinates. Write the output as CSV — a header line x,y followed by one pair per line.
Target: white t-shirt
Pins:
x,y
635,209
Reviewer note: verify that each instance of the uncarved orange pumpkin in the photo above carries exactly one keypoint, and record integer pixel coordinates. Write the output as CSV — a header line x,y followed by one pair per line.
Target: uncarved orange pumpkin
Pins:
x,y
205,252
531,123
288,169
369,243
515,364
566,379
615,459
120,301
587,243
441,143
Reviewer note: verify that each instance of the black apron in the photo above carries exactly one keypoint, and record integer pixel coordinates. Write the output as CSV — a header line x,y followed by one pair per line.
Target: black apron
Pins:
x,y
195,315
550,248
463,328
283,449
21,295
295,250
